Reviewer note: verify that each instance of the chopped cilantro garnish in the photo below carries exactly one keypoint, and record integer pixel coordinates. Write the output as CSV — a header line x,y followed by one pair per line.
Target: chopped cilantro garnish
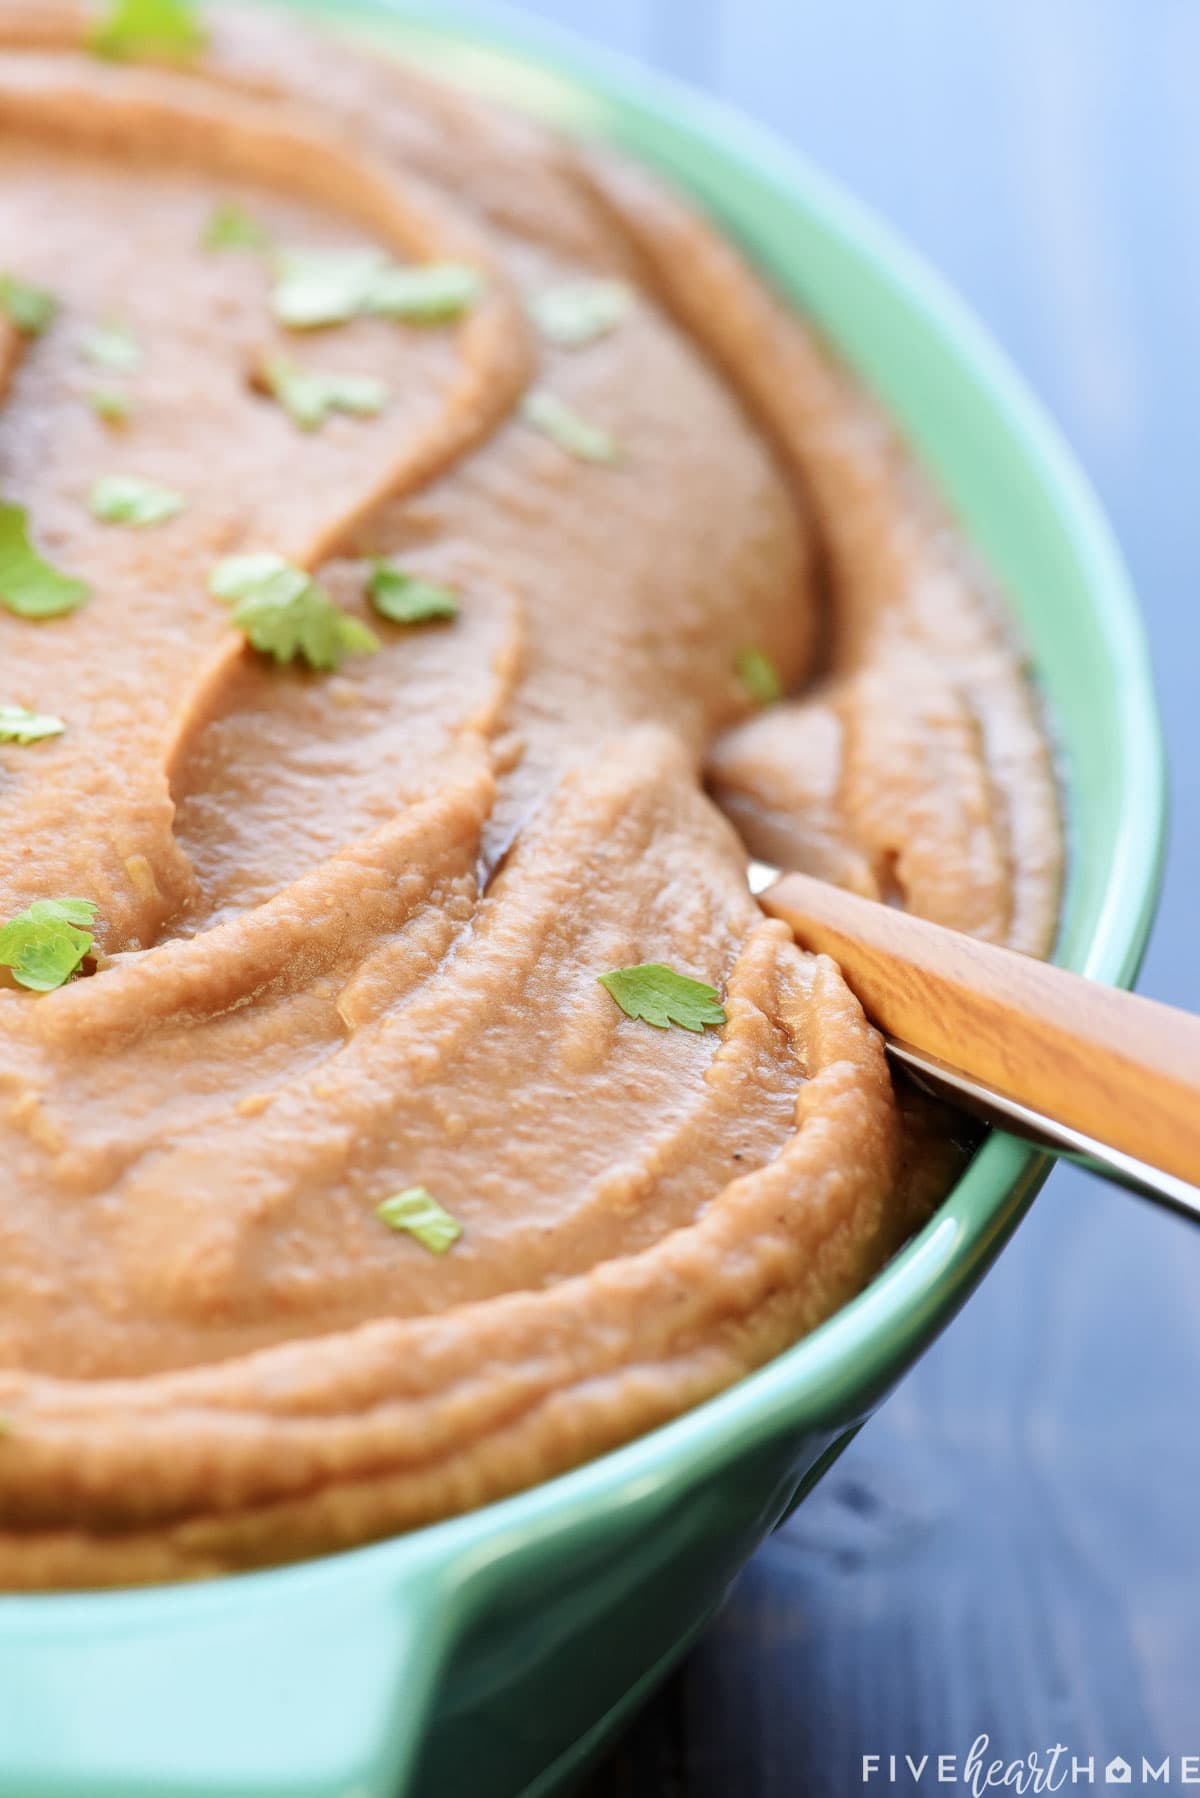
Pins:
x,y
231,227
29,586
17,725
262,573
27,307
132,28
759,675
127,499
416,1211
660,996
111,403
427,295
324,287
329,287
310,396
556,420
579,312
113,347
409,598
284,613
44,944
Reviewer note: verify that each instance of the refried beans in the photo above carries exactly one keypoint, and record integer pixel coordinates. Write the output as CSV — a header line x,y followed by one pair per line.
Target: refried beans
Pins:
x,y
338,1193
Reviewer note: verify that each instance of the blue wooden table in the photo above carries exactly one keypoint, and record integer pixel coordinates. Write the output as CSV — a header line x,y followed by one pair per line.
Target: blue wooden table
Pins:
x,y
1011,1546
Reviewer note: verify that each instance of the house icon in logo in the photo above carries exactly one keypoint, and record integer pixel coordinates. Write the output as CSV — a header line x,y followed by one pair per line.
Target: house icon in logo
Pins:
x,y
1117,1772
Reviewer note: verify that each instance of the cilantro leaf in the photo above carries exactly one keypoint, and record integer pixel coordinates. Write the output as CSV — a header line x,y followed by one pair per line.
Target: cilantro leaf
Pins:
x,y
579,312
323,287
426,295
409,598
329,287
759,675
112,347
284,613
65,911
558,421
27,307
418,1212
660,996
310,397
111,403
44,944
132,28
243,577
127,499
18,725
231,227
29,586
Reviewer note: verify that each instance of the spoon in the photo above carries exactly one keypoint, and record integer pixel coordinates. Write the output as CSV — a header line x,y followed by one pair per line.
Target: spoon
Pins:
x,y
1097,1075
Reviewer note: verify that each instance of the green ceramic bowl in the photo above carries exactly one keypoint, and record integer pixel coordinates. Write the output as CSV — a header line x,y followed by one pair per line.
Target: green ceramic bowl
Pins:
x,y
493,1654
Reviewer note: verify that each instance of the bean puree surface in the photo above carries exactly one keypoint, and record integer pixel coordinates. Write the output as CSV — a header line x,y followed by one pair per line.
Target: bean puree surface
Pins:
x,y
349,920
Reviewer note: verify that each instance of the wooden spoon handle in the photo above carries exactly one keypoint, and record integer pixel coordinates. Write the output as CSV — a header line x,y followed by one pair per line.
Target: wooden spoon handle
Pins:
x,y
1116,1067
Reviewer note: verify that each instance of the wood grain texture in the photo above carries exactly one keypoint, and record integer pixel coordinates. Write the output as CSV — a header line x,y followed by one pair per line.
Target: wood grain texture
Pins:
x,y
1120,1068
1010,1545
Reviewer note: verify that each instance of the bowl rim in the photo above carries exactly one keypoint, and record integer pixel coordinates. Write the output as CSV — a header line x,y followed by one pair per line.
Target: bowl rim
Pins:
x,y
855,1352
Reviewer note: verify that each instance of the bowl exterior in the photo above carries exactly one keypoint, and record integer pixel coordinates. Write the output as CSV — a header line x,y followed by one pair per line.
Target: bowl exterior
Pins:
x,y
494,1654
